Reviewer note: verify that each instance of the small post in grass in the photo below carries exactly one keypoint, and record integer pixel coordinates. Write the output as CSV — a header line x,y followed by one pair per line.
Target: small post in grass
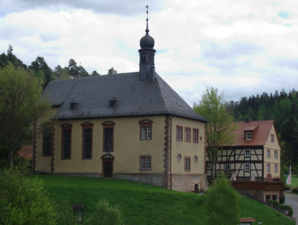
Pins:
x,y
78,212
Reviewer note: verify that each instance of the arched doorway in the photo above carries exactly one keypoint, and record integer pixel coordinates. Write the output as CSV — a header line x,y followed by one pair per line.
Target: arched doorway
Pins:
x,y
107,165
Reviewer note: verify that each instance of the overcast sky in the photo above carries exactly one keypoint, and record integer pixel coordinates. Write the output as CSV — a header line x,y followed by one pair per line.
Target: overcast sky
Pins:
x,y
242,47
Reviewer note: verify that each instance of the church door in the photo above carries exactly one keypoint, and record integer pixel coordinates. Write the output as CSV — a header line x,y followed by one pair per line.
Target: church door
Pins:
x,y
108,169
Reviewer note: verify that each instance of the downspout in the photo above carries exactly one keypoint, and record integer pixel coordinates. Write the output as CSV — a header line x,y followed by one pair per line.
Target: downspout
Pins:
x,y
171,154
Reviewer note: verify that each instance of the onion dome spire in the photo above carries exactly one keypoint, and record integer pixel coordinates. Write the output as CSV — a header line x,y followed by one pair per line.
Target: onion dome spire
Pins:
x,y
147,41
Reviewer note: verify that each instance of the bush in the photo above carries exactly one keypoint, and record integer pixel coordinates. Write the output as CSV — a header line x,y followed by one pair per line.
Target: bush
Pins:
x,y
285,208
3,164
295,189
105,214
287,187
24,201
282,199
65,214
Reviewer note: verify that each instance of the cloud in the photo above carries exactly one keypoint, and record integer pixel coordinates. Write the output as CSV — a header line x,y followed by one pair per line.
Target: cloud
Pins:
x,y
284,62
118,7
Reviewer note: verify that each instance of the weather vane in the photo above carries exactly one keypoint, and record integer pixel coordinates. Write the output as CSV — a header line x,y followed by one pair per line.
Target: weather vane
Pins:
x,y
147,30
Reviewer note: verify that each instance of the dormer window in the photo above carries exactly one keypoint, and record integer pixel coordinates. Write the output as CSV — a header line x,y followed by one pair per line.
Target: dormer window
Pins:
x,y
248,135
73,105
112,103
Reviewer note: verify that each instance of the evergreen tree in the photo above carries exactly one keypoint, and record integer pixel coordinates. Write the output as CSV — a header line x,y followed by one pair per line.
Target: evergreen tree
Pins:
x,y
40,65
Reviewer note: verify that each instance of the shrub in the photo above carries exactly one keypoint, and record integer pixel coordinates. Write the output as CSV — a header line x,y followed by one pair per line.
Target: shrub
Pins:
x,y
24,201
3,164
285,208
65,214
105,214
287,187
295,189
282,199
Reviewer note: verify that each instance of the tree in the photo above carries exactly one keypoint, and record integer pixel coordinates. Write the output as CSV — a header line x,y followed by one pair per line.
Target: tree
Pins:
x,y
94,73
222,203
40,65
220,131
60,74
112,71
24,200
20,98
73,69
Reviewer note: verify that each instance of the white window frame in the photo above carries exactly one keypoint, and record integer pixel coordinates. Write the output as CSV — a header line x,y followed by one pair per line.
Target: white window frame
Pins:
x,y
247,136
268,167
227,166
247,155
275,154
245,164
268,153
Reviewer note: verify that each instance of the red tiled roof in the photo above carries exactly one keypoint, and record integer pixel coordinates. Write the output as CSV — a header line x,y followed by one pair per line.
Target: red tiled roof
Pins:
x,y
247,220
261,133
26,152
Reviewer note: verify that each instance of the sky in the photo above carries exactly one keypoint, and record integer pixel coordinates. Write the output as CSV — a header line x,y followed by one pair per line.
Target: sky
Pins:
x,y
242,48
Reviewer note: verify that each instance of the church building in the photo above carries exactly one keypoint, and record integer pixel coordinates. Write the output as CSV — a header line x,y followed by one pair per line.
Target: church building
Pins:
x,y
131,126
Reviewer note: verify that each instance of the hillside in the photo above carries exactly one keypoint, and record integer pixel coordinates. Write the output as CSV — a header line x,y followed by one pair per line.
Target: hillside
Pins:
x,y
146,204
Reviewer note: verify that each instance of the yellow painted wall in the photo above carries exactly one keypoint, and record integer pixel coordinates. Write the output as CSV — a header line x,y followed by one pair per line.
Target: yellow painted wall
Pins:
x,y
187,149
127,146
272,146
43,163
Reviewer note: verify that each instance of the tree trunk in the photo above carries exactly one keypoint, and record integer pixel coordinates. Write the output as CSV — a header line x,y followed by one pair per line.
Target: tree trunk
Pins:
x,y
10,149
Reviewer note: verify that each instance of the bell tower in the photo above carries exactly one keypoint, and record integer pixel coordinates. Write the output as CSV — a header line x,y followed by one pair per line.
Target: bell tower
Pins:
x,y
147,54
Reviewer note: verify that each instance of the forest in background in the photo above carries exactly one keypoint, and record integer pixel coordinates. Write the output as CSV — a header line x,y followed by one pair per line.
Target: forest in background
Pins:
x,y
282,107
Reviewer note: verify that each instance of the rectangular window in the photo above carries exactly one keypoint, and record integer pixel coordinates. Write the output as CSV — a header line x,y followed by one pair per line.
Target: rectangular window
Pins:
x,y
87,143
268,167
275,168
146,132
227,166
195,137
187,164
187,134
145,162
268,153
272,137
66,143
108,139
246,166
248,136
47,143
247,153
275,154
179,133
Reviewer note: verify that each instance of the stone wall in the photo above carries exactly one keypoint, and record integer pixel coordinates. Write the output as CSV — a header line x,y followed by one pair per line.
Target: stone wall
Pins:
x,y
261,194
153,179
78,174
187,182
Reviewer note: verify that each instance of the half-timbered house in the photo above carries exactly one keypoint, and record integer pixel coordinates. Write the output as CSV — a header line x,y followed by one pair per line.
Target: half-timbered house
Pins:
x,y
257,152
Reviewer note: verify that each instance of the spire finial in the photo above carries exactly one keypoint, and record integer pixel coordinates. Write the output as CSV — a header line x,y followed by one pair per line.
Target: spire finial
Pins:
x,y
147,29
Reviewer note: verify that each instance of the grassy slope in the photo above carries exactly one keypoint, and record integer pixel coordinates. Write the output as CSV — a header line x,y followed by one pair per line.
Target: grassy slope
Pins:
x,y
146,204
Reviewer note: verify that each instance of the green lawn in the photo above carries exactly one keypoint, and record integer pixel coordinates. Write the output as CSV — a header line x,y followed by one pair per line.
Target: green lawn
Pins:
x,y
146,204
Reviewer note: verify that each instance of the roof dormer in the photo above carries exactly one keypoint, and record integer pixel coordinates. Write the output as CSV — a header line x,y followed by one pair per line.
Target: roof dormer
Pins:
x,y
74,104
249,132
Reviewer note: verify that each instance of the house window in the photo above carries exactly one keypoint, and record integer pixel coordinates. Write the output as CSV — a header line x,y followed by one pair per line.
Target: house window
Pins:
x,y
66,141
187,164
275,168
179,133
145,129
275,155
248,136
268,167
145,162
178,157
87,140
47,143
272,137
247,152
227,166
108,136
268,153
195,159
195,137
187,134
246,166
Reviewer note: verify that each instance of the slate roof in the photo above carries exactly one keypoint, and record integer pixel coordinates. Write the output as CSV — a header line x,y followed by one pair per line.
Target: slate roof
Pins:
x,y
134,97
261,131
